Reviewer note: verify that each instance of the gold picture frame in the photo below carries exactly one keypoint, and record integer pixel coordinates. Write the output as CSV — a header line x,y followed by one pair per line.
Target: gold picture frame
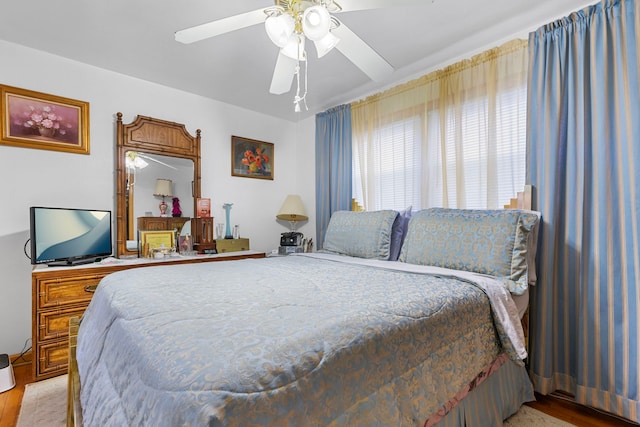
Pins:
x,y
48,122
154,239
251,158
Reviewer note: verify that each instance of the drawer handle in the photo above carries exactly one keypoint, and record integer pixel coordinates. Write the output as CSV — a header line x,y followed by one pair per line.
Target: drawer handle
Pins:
x,y
90,288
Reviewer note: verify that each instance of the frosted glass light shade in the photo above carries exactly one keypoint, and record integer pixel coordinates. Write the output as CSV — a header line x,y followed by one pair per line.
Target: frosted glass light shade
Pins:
x,y
135,162
316,22
295,48
279,28
325,44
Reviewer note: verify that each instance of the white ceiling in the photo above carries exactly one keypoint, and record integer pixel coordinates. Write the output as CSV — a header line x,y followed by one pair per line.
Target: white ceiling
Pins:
x,y
136,38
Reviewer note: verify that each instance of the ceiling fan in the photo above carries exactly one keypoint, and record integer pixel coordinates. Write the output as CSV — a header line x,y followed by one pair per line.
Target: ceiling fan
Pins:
x,y
135,160
290,23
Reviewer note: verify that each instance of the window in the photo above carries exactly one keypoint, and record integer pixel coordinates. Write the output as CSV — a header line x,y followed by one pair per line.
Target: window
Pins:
x,y
456,138
395,164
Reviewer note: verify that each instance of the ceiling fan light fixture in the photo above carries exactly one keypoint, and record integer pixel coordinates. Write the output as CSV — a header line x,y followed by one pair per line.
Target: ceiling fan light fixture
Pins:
x,y
279,28
295,47
316,22
331,6
134,161
325,44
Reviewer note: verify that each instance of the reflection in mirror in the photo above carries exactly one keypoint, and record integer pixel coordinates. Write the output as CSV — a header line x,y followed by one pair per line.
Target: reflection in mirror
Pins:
x,y
142,171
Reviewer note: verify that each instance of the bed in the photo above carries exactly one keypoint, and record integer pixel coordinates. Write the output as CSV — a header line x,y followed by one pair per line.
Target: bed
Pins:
x,y
396,323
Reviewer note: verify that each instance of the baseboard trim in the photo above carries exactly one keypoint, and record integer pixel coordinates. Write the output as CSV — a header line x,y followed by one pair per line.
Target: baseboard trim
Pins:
x,y
21,359
568,400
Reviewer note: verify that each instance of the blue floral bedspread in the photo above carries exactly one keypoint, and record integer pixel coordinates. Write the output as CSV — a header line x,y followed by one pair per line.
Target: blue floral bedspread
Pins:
x,y
286,341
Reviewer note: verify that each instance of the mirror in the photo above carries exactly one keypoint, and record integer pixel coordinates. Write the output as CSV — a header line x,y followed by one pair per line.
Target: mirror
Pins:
x,y
167,151
142,170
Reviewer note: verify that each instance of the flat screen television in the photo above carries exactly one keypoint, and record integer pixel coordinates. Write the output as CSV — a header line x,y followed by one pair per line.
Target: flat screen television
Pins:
x,y
63,236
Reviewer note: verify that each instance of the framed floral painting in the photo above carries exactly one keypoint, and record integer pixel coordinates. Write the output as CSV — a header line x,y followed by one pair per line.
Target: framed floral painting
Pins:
x,y
39,120
251,158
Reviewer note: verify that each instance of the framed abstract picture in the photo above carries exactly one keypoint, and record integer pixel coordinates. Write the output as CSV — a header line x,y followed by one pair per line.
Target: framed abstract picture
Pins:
x,y
39,120
251,158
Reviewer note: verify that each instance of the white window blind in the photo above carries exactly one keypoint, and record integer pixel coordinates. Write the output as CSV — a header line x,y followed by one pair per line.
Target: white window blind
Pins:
x,y
395,164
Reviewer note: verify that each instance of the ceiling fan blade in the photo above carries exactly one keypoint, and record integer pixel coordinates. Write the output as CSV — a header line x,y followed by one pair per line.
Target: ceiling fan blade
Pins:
x,y
146,156
361,54
283,74
221,26
354,5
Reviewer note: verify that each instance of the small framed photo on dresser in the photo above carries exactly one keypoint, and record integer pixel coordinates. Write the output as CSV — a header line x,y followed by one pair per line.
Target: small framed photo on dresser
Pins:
x,y
185,244
204,207
155,239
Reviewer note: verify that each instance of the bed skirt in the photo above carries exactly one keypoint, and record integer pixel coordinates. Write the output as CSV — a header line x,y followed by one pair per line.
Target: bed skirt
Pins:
x,y
496,394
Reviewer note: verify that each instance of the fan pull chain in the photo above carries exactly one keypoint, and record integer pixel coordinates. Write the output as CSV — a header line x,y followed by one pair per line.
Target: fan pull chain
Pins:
x,y
298,98
302,98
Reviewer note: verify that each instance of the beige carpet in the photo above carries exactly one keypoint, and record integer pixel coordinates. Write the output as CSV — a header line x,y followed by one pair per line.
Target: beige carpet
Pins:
x,y
529,417
45,404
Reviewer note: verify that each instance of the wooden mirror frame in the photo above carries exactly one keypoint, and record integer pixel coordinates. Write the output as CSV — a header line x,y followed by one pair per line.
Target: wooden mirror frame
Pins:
x,y
153,136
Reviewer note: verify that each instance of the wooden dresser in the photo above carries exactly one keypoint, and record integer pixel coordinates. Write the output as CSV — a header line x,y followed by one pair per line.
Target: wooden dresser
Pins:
x,y
59,293
151,223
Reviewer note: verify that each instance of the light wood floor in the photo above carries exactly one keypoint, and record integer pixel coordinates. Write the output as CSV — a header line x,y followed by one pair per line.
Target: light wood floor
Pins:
x,y
576,414
10,400
554,406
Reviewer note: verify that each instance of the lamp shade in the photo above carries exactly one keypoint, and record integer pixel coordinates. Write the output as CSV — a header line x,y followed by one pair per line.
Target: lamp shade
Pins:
x,y
163,188
292,209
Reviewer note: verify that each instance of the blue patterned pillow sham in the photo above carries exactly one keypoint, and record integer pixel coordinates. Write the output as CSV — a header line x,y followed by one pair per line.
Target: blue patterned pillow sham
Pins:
x,y
493,242
360,234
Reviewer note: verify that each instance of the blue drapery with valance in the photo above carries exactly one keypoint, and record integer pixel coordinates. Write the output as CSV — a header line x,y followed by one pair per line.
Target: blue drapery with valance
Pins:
x,y
333,165
584,161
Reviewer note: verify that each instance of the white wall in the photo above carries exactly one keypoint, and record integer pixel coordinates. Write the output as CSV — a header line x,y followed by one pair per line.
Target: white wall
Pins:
x,y
305,158
31,177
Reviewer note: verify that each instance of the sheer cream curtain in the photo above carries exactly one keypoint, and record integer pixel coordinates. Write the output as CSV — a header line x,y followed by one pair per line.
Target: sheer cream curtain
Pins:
x,y
452,138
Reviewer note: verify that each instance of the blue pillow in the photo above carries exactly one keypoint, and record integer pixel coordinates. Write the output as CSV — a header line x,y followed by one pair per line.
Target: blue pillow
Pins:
x,y
398,232
493,242
360,234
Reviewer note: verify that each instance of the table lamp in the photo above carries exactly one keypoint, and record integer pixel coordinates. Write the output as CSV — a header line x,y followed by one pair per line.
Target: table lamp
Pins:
x,y
163,189
292,210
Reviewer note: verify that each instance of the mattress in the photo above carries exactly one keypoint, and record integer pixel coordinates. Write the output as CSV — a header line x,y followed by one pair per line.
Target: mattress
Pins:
x,y
307,340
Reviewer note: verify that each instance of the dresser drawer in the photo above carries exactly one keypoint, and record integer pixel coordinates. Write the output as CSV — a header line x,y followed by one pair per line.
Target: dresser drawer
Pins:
x,y
53,359
67,290
232,245
53,324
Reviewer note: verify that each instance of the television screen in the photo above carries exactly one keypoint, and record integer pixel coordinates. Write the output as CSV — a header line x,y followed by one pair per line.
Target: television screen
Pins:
x,y
61,236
